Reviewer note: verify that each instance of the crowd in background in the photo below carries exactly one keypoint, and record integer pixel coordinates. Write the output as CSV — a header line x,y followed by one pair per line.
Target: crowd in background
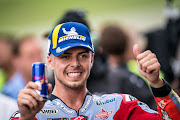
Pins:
x,y
115,69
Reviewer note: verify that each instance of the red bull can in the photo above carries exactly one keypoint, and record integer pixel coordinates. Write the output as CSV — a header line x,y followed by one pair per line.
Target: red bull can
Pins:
x,y
39,76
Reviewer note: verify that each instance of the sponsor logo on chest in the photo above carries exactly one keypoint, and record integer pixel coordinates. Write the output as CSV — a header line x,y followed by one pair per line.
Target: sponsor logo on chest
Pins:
x,y
105,102
51,111
103,114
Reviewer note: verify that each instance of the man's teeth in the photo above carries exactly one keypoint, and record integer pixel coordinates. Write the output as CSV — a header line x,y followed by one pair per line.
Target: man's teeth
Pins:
x,y
74,74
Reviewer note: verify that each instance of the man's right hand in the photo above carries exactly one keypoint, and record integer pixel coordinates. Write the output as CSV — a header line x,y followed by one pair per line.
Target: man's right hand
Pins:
x,y
28,101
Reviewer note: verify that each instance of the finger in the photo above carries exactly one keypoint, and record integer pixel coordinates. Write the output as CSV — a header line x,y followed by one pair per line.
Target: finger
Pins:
x,y
49,88
32,85
143,61
23,102
143,55
154,67
33,93
31,99
136,50
148,63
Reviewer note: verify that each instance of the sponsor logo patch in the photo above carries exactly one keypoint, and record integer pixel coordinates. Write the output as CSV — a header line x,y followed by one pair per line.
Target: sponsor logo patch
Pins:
x,y
103,114
165,115
79,118
51,111
105,102
87,104
58,50
72,34
63,107
58,119
162,104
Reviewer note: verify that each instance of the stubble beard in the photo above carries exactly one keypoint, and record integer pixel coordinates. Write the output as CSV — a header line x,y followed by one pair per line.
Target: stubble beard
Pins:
x,y
74,86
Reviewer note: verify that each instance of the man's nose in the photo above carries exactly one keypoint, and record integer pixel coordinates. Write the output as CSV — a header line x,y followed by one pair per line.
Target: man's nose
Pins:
x,y
75,62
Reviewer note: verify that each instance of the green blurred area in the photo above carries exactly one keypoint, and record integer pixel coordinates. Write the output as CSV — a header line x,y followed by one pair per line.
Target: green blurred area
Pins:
x,y
39,16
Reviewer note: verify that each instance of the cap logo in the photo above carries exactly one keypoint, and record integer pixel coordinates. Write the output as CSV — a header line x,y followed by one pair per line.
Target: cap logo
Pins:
x,y
58,50
71,35
71,32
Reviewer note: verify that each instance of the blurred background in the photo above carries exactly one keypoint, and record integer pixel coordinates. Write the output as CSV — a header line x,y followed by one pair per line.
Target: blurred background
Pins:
x,y
19,16
153,24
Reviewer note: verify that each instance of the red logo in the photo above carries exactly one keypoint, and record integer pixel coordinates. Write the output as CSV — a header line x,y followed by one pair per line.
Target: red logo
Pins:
x,y
103,114
162,104
78,118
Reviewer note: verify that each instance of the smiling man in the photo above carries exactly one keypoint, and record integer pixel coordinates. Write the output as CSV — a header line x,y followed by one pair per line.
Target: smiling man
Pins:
x,y
71,59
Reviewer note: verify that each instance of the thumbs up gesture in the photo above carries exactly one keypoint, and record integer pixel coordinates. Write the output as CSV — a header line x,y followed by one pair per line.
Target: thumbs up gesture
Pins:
x,y
148,66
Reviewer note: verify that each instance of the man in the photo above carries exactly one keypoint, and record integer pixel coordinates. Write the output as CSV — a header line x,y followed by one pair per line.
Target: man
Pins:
x,y
7,55
117,77
71,58
28,51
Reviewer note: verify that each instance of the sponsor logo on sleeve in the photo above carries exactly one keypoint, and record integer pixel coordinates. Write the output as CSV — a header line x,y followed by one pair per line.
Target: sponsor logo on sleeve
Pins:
x,y
162,104
165,115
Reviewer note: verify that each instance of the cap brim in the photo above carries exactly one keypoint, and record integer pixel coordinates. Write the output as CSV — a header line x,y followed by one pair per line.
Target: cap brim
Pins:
x,y
58,51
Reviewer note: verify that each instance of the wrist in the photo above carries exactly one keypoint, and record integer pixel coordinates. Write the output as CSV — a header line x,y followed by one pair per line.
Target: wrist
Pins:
x,y
162,91
26,118
158,84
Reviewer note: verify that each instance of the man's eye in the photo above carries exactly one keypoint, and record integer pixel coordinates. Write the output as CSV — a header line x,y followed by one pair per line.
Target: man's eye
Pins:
x,y
83,56
65,57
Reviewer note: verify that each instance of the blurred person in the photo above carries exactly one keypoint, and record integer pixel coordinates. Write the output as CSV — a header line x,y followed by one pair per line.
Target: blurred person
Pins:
x,y
28,51
71,58
7,55
164,41
74,15
7,106
117,45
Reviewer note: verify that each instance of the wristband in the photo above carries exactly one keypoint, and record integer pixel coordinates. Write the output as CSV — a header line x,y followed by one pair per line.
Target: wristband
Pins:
x,y
162,91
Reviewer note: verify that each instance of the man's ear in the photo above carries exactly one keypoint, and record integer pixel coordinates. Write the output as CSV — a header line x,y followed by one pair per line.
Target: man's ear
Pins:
x,y
92,60
50,62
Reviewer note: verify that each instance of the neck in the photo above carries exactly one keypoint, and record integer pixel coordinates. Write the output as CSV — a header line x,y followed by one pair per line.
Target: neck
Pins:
x,y
27,78
9,71
114,61
73,98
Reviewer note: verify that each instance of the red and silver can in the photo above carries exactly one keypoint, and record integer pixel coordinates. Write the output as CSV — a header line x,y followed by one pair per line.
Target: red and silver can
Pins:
x,y
39,76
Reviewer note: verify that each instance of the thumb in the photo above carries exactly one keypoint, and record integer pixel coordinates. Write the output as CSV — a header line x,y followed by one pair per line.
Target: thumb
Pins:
x,y
136,50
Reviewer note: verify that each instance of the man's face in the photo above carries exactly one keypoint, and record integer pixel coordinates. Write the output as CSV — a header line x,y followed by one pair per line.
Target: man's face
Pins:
x,y
72,68
6,54
29,52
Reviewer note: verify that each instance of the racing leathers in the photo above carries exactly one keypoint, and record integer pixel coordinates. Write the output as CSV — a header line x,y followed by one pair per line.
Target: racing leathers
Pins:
x,y
113,107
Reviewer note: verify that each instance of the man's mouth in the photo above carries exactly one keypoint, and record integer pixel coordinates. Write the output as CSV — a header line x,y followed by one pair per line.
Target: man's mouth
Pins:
x,y
77,74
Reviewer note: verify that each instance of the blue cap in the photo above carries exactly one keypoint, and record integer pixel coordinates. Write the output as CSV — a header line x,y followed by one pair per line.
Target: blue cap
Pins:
x,y
68,35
